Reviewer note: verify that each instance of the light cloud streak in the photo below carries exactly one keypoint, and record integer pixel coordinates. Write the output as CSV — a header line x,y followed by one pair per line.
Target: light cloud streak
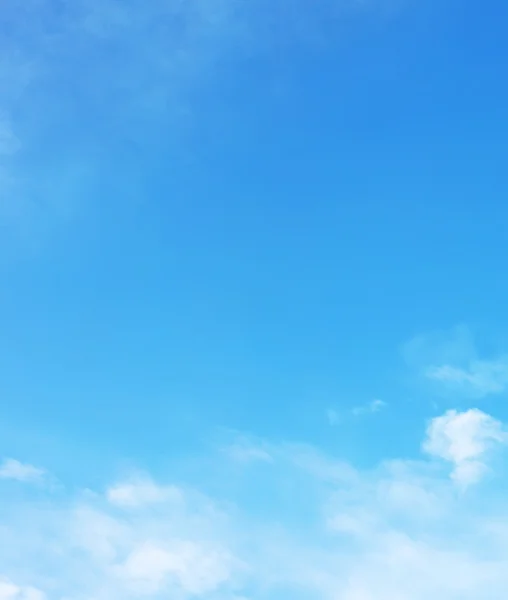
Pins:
x,y
140,492
336,417
478,379
14,469
89,86
84,79
449,360
372,407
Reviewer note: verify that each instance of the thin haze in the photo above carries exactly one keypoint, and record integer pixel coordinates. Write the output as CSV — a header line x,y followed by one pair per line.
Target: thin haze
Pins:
x,y
253,339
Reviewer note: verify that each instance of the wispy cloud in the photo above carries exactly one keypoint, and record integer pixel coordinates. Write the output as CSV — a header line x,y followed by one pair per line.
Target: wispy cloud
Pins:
x,y
450,361
383,533
335,416
140,492
478,379
84,79
245,450
89,85
374,406
13,469
11,591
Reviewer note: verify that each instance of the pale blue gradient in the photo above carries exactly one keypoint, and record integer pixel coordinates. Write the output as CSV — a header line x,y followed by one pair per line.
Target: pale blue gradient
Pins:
x,y
219,219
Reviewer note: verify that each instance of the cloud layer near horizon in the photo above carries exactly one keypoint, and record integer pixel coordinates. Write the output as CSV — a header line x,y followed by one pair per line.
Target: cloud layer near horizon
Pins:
x,y
296,523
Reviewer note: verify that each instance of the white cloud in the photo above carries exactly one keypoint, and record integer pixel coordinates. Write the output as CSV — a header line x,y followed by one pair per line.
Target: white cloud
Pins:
x,y
464,439
193,567
140,492
450,361
10,591
311,526
478,379
13,469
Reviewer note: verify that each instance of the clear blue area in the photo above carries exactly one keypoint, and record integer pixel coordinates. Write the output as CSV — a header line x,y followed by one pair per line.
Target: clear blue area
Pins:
x,y
245,241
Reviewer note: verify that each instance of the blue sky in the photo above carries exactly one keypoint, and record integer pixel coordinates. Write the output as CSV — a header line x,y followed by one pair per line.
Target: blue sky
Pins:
x,y
254,341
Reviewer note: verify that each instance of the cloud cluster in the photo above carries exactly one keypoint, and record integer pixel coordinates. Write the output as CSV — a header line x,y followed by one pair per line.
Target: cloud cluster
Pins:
x,y
310,526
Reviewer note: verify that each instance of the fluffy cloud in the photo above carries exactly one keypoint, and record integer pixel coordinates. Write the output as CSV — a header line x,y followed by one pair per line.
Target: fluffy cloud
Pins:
x,y
308,525
195,569
464,440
